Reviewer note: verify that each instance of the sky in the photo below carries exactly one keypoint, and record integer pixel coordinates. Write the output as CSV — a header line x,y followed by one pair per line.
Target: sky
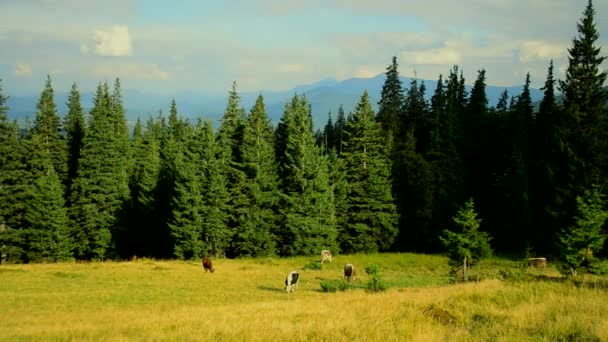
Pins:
x,y
271,45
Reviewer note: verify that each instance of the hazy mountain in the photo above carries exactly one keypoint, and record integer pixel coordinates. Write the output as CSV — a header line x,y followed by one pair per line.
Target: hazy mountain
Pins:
x,y
324,95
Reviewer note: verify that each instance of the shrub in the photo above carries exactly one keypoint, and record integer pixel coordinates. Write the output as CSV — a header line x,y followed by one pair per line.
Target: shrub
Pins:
x,y
334,285
376,283
315,265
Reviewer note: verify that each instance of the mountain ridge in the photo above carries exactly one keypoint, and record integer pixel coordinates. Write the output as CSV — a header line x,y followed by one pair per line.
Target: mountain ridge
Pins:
x,y
324,95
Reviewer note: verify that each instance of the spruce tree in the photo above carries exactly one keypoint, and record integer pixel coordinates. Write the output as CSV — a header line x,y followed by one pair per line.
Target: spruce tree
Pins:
x,y
12,195
254,235
101,189
391,99
581,130
75,130
581,243
444,162
216,234
339,129
371,223
47,234
544,166
47,126
308,209
187,202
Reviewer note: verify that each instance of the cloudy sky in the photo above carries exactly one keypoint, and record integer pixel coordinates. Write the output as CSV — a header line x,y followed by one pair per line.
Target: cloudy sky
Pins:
x,y
202,45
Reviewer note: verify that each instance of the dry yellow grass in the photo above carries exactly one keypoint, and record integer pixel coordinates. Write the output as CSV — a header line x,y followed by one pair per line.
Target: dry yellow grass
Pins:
x,y
244,300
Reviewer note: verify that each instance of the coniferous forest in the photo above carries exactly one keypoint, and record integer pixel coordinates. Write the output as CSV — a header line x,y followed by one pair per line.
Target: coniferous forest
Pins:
x,y
82,186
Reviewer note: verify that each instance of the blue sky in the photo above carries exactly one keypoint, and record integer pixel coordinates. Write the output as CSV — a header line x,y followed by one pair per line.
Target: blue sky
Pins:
x,y
202,46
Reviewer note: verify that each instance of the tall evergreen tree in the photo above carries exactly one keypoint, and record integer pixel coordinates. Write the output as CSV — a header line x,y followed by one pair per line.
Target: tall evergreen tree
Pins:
x,y
101,188
546,158
47,234
75,130
371,223
254,236
12,194
47,126
215,211
581,131
308,209
391,99
444,163
339,129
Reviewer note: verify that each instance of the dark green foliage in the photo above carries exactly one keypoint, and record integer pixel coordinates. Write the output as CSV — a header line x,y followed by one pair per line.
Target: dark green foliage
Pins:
x,y
581,126
315,265
253,236
443,162
187,200
369,222
75,130
376,283
308,212
47,126
468,245
47,235
100,191
12,190
581,243
391,100
215,211
411,173
334,285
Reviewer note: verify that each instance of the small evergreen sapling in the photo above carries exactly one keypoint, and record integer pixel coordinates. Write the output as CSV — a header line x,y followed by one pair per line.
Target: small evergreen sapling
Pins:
x,y
580,243
467,247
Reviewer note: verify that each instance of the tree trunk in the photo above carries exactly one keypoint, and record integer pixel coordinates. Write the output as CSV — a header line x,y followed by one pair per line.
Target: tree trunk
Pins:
x,y
464,270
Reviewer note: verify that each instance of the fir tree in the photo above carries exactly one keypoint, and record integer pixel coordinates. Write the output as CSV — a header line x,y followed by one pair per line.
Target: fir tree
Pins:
x,y
48,127
254,236
215,211
391,100
308,209
371,224
75,131
467,246
12,194
581,131
581,242
47,235
101,188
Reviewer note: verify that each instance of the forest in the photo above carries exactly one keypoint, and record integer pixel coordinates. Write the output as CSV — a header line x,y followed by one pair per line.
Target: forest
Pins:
x,y
82,186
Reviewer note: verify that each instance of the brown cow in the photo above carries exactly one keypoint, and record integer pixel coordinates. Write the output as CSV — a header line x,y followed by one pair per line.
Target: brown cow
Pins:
x,y
208,264
350,272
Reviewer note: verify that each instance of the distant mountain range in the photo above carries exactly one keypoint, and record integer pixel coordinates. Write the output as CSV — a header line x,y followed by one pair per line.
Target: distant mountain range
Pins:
x,y
324,95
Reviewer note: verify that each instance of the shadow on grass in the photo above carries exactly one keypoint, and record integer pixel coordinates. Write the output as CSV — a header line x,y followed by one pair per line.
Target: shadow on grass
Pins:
x,y
271,289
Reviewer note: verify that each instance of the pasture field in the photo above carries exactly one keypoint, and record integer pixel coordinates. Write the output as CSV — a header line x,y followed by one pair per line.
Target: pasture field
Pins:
x,y
244,300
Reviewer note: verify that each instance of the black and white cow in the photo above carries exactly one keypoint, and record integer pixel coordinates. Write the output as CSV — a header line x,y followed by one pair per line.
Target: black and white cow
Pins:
x,y
291,282
350,272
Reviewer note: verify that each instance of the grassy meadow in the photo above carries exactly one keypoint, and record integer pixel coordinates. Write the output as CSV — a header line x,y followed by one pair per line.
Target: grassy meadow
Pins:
x,y
244,300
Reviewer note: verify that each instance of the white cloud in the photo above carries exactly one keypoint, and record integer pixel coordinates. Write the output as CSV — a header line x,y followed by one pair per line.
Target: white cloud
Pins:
x,y
114,41
440,56
23,70
293,68
131,71
534,50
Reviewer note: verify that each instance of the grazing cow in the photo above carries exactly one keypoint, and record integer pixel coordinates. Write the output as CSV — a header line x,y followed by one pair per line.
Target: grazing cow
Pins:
x,y
350,272
325,256
291,282
208,264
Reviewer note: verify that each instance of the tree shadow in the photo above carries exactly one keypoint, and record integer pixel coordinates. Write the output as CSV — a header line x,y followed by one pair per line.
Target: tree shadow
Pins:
x,y
270,288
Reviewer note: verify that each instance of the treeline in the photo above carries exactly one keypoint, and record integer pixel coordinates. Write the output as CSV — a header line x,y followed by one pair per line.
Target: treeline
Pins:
x,y
86,188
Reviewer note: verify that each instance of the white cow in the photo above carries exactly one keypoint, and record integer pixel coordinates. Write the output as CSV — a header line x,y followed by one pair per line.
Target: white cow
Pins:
x,y
325,256
291,282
